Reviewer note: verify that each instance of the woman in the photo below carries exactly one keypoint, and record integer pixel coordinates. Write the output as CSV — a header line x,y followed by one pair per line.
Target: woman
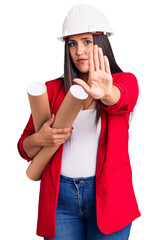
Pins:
x,y
86,190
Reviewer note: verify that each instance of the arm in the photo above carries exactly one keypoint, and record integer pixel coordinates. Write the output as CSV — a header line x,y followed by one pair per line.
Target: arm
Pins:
x,y
117,94
129,90
29,145
113,98
100,81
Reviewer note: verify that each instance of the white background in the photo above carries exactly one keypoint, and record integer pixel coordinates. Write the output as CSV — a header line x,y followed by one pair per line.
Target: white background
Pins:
x,y
30,51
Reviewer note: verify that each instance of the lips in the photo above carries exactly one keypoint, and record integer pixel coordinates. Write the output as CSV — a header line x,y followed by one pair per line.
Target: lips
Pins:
x,y
81,60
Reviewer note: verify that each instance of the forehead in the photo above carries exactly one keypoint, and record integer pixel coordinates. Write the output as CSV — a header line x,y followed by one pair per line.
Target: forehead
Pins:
x,y
81,36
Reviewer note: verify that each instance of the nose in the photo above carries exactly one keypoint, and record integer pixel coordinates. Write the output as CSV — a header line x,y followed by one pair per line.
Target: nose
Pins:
x,y
79,49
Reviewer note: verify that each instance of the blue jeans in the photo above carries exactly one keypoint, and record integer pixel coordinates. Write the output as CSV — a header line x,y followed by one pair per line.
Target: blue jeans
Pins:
x,y
76,212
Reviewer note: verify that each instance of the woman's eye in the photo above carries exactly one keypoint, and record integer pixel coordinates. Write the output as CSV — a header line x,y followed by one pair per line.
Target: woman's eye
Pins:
x,y
71,44
88,42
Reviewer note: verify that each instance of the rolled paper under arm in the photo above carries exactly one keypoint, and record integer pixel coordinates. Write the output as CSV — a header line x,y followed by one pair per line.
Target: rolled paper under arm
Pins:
x,y
39,104
64,118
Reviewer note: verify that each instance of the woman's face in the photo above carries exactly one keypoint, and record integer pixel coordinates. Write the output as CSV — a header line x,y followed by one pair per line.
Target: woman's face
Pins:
x,y
79,47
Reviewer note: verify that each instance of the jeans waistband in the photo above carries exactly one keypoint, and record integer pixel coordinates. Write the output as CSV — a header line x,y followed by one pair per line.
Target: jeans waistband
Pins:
x,y
85,180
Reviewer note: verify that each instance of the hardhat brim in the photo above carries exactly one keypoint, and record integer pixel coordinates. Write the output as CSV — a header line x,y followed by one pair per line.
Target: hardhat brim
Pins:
x,y
62,38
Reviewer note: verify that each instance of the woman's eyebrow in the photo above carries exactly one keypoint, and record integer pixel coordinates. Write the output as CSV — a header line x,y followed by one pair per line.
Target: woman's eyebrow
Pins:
x,y
82,38
87,38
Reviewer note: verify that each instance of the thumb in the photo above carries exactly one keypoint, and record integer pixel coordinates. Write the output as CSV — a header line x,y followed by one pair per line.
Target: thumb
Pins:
x,y
51,120
82,84
52,116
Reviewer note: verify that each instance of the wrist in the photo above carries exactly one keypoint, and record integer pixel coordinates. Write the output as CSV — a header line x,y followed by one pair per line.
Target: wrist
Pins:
x,y
112,98
107,97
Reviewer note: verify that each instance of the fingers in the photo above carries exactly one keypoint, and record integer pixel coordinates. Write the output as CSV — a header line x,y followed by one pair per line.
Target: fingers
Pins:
x,y
101,59
96,58
57,136
50,121
97,61
90,61
61,130
107,65
50,136
60,135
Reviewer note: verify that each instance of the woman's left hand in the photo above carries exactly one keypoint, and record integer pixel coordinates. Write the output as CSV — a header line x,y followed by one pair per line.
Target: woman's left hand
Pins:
x,y
99,85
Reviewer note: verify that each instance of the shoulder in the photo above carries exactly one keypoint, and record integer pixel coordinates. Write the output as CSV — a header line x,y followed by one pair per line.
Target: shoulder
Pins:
x,y
54,83
126,79
127,83
121,76
55,87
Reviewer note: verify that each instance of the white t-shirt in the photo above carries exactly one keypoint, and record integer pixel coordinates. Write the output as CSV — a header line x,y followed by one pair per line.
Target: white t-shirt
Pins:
x,y
80,149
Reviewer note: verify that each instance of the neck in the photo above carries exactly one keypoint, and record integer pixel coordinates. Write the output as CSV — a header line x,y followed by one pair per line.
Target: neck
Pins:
x,y
83,76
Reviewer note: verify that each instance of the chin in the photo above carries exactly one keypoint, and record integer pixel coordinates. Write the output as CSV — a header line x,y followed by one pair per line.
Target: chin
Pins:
x,y
83,70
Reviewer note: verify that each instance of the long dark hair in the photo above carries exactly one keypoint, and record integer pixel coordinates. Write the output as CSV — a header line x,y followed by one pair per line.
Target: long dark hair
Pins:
x,y
71,72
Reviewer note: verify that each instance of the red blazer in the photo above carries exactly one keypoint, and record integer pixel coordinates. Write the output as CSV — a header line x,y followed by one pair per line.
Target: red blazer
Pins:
x,y
116,204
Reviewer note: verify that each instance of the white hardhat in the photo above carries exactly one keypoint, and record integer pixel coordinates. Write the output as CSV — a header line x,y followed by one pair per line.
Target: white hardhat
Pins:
x,y
84,18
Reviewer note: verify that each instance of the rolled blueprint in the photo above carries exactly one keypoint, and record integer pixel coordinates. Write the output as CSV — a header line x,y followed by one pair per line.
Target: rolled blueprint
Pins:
x,y
39,104
64,118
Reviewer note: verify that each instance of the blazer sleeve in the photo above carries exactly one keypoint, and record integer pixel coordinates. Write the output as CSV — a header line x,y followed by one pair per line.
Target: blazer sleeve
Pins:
x,y
129,91
29,130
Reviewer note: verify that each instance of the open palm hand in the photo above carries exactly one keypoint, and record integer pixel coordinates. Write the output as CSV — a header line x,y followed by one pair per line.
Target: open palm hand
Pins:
x,y
99,85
